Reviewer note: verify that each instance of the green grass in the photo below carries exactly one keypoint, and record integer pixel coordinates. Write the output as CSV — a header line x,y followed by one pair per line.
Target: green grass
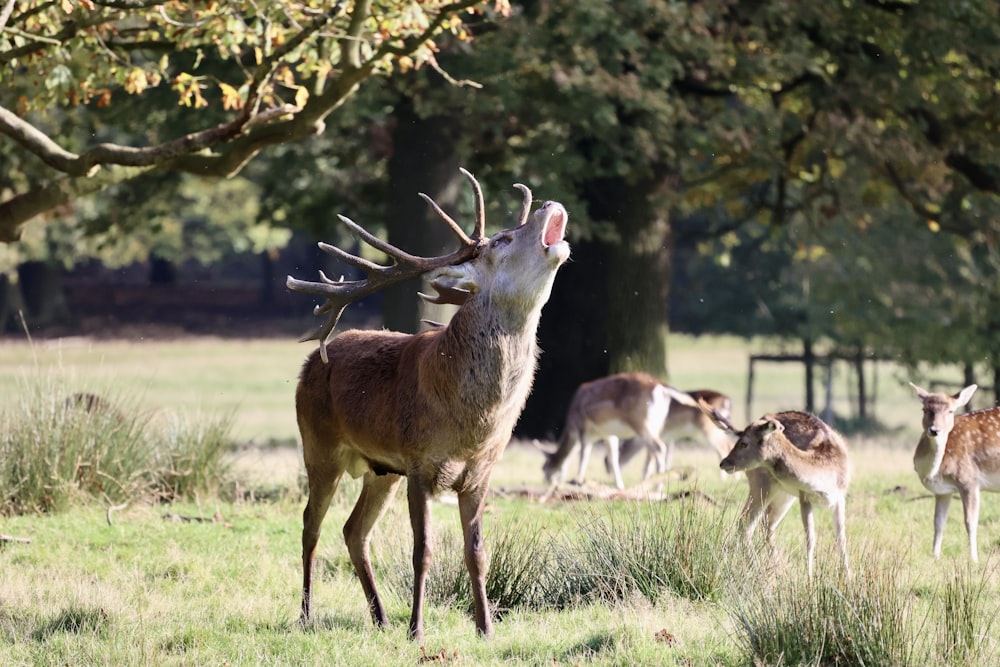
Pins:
x,y
212,581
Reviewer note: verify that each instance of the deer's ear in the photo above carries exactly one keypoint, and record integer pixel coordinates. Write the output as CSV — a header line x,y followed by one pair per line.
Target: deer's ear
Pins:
x,y
773,426
452,284
964,396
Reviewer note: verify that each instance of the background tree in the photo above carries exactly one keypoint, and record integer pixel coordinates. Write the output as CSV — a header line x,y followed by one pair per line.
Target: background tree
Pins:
x,y
246,77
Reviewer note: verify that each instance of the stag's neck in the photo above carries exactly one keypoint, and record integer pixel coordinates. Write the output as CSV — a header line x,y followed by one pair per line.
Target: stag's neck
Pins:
x,y
491,353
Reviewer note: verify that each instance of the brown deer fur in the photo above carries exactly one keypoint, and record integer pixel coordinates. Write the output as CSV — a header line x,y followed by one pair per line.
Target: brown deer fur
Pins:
x,y
437,407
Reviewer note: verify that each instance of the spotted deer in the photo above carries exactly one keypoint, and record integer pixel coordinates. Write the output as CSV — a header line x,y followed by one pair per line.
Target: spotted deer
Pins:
x,y
610,408
683,421
788,456
957,454
437,407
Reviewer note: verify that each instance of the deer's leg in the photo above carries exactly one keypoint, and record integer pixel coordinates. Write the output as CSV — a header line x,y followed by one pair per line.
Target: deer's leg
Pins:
x,y
970,504
323,482
778,504
585,448
941,503
809,524
470,506
613,444
419,496
376,493
840,527
757,500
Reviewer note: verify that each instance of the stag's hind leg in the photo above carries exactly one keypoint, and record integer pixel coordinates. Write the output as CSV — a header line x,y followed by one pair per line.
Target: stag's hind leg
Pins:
x,y
323,480
376,493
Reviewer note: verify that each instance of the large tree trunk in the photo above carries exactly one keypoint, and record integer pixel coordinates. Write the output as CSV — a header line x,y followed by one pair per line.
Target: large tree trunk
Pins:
x,y
573,339
608,310
42,293
638,280
423,160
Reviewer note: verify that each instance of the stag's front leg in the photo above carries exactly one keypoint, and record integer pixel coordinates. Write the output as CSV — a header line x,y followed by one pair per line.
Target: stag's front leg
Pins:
x,y
376,493
470,507
419,497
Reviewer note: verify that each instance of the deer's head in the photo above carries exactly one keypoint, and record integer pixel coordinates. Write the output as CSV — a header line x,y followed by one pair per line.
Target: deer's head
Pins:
x,y
515,268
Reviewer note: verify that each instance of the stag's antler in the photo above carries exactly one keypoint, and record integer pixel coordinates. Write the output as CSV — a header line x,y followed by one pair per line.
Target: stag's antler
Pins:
x,y
340,293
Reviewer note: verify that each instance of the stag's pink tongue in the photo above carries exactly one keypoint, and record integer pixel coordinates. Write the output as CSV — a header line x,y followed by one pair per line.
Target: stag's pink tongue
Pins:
x,y
554,229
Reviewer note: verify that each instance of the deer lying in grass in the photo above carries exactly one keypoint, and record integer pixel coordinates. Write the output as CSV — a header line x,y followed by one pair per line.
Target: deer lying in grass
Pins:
x,y
790,455
683,421
608,409
437,407
957,453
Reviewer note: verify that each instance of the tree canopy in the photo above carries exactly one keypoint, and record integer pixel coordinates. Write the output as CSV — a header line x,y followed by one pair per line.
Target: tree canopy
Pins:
x,y
235,78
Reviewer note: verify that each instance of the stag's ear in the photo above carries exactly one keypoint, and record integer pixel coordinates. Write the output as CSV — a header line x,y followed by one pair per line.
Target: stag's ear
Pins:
x,y
452,284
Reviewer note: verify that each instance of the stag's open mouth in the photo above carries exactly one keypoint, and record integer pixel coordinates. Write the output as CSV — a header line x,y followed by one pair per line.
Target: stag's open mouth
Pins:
x,y
555,225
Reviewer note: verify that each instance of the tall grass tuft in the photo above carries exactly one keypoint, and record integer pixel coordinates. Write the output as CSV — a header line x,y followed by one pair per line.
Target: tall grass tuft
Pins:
x,y
523,571
786,620
191,457
58,448
965,623
656,548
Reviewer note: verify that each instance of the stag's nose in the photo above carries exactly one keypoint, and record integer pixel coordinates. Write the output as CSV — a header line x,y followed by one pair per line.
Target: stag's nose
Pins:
x,y
932,431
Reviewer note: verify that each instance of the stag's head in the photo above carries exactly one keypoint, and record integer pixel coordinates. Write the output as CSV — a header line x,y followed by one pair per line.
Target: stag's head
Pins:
x,y
515,268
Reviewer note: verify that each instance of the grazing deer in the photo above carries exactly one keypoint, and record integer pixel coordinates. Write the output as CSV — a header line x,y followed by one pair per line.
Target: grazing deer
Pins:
x,y
790,455
437,407
621,405
683,421
957,453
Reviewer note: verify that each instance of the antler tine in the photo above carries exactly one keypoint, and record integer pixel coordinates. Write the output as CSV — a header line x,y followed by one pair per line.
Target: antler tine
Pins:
x,y
525,205
480,232
340,293
458,231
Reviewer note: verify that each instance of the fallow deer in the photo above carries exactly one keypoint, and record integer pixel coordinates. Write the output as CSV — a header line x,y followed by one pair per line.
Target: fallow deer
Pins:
x,y
436,407
790,455
683,421
957,453
608,409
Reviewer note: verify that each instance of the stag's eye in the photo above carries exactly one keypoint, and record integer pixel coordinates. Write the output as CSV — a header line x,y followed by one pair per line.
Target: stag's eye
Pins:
x,y
500,241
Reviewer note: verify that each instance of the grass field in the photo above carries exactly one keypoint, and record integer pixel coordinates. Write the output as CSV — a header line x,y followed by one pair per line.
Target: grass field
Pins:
x,y
217,581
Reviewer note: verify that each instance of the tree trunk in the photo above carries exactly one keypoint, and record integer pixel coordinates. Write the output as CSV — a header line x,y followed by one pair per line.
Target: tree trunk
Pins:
x,y
637,285
573,338
809,359
423,160
42,293
608,307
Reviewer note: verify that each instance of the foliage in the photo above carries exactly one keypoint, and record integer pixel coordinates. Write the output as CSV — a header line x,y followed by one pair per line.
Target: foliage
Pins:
x,y
241,78
864,620
58,448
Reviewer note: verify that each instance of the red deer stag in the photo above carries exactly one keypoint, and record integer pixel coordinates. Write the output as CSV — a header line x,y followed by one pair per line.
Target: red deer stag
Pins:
x,y
609,408
436,407
790,455
957,453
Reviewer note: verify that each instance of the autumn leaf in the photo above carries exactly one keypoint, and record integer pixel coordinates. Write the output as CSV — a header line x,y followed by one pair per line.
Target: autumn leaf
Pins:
x,y
231,98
